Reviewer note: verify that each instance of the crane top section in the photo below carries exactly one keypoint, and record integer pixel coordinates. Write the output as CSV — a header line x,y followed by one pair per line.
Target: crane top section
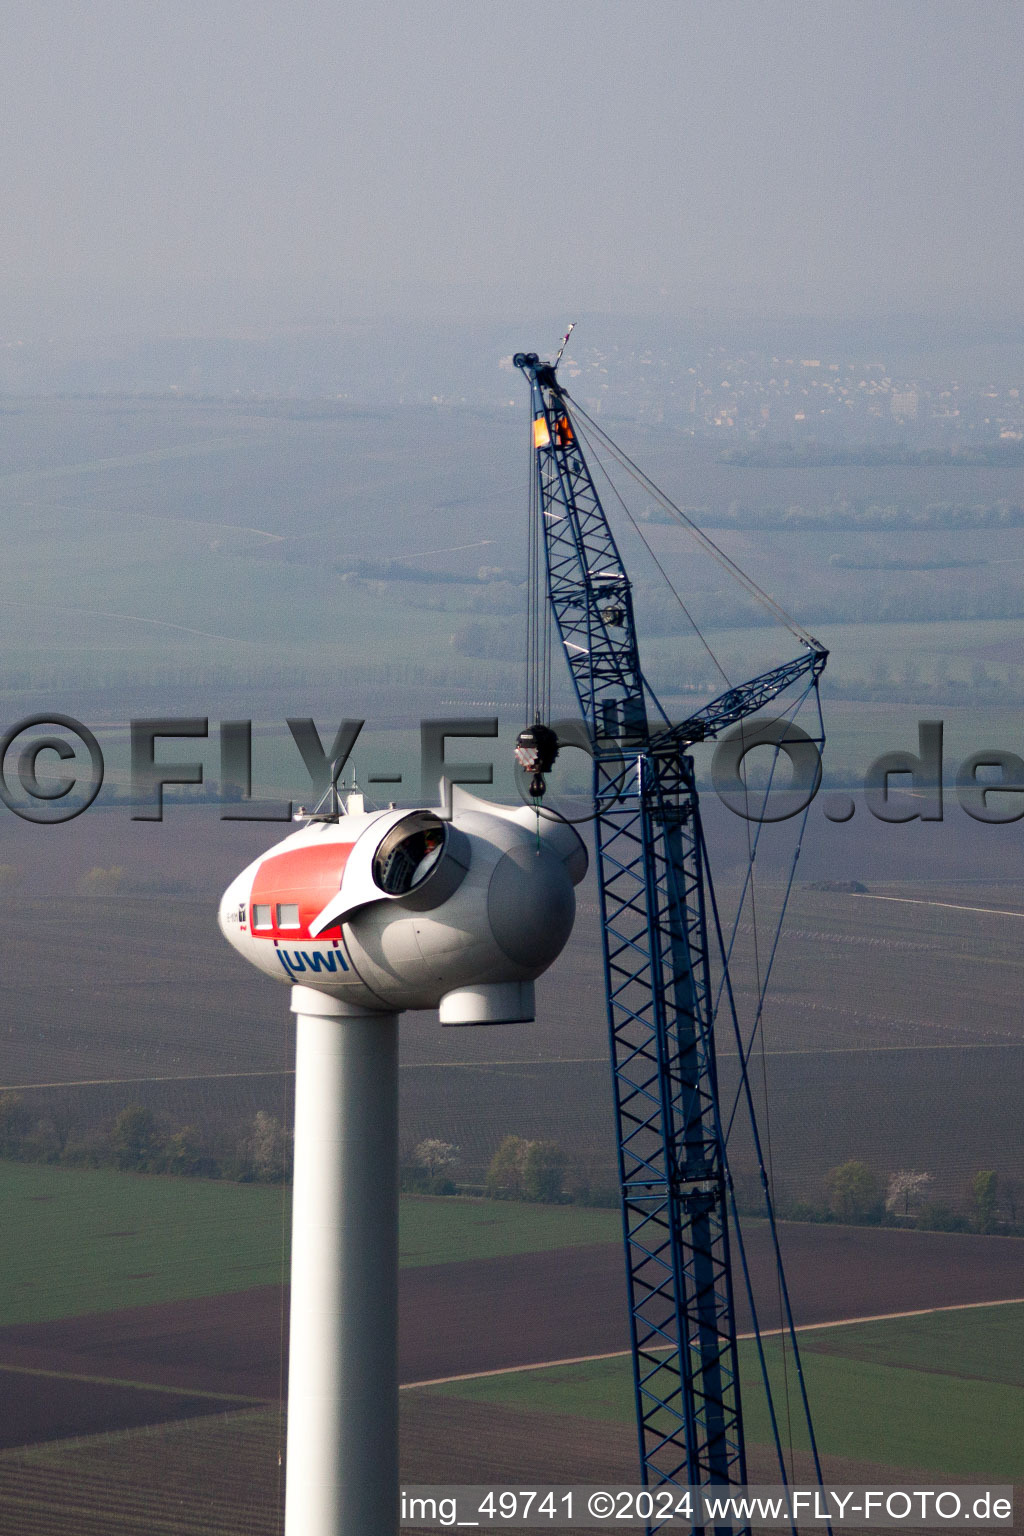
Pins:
x,y
541,376
537,371
591,596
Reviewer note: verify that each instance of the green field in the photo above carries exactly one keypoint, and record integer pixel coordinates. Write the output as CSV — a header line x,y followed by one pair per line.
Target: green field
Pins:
x,y
443,1231
93,1240
939,1393
980,1343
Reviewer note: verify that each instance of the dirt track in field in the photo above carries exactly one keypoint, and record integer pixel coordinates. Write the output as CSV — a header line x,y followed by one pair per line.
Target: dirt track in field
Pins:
x,y
458,1318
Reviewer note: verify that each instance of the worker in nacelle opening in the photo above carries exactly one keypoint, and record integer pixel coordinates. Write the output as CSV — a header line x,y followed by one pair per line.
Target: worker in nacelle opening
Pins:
x,y
433,842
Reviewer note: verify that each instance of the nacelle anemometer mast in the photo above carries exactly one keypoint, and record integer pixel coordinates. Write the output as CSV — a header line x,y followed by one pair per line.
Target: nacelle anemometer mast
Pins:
x,y
655,904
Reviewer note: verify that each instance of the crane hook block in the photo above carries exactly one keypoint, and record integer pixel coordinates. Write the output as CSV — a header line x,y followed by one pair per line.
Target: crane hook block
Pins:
x,y
536,750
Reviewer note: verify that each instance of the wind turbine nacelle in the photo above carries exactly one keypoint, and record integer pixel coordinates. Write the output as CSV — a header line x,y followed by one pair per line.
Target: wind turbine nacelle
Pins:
x,y
388,910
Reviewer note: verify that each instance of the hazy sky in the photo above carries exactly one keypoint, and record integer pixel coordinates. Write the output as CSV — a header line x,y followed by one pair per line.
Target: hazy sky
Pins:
x,y
215,166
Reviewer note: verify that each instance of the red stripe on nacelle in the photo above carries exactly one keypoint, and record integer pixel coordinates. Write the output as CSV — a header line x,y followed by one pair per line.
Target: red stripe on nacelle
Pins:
x,y
302,877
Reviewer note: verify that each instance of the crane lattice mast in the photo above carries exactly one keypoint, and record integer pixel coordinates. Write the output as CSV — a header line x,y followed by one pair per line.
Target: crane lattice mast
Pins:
x,y
654,893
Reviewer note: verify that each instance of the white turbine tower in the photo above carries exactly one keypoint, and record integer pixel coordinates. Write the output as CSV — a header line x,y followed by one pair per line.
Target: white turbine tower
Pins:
x,y
366,914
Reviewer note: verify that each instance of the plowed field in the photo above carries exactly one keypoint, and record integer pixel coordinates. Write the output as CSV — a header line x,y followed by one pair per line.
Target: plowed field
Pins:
x,y
221,1476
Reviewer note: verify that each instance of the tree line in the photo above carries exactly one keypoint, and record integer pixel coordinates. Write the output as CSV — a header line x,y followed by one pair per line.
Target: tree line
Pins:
x,y
259,1150
856,1194
135,1140
520,1169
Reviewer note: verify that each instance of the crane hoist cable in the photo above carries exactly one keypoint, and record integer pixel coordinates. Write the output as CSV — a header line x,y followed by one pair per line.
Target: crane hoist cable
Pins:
x,y
710,547
646,543
761,980
738,574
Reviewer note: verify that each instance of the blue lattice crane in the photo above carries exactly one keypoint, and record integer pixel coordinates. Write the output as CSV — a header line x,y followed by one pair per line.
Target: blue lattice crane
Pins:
x,y
656,907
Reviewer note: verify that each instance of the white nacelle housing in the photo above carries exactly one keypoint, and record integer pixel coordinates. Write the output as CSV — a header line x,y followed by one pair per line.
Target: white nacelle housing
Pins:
x,y
391,910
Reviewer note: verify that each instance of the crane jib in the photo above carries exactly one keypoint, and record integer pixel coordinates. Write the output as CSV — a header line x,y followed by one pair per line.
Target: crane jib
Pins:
x,y
654,889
